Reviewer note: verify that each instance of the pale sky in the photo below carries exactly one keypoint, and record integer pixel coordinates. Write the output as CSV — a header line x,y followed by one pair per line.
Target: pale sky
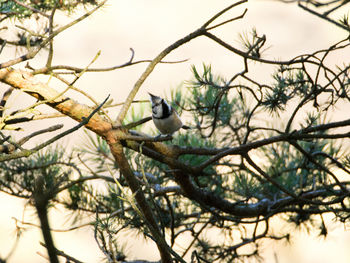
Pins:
x,y
148,27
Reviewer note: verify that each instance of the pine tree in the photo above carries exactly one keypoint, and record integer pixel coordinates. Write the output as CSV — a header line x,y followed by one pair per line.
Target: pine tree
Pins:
x,y
255,151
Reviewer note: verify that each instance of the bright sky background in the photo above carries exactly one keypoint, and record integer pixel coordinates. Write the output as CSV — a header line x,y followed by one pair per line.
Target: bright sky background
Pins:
x,y
148,27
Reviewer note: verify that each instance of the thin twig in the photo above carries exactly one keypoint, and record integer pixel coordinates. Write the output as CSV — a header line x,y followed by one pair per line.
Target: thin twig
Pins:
x,y
133,124
51,26
70,86
62,254
31,8
32,53
52,229
130,62
4,99
228,21
324,17
26,153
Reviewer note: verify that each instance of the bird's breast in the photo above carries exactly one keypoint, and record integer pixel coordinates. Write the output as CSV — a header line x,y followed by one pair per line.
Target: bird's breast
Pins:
x,y
168,125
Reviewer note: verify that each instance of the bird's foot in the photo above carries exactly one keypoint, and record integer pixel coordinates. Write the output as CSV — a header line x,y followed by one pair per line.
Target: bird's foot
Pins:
x,y
163,137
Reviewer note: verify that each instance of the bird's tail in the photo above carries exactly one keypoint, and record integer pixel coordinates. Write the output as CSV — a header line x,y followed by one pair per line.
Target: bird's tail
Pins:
x,y
186,127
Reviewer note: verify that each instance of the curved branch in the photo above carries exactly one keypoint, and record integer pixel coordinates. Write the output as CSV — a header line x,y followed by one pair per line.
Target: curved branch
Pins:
x,y
325,17
32,53
199,32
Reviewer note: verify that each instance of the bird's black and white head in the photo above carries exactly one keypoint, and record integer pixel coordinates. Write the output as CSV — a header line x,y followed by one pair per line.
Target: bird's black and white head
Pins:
x,y
160,108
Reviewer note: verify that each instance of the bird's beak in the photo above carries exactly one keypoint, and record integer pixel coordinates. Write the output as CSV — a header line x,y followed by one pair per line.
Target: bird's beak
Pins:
x,y
151,95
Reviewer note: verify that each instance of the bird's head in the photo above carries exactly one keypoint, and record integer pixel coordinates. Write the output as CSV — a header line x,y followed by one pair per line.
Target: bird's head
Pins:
x,y
155,99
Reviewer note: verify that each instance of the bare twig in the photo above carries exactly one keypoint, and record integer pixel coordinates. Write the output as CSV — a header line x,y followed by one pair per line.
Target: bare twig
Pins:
x,y
51,26
26,153
324,16
62,254
4,99
130,62
13,146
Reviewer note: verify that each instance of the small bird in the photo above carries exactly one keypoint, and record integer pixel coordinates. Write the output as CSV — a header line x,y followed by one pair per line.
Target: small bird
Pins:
x,y
164,116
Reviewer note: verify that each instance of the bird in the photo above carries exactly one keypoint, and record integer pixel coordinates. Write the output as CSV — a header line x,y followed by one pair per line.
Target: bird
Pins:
x,y
165,118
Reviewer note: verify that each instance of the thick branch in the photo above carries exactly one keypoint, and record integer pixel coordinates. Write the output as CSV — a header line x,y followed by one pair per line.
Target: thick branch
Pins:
x,y
41,202
117,151
27,83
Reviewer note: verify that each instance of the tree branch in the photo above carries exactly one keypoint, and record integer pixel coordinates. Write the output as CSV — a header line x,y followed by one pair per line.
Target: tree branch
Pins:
x,y
199,32
117,151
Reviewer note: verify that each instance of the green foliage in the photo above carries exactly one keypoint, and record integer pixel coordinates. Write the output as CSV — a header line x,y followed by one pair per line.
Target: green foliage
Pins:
x,y
296,171
178,98
246,186
18,176
105,232
210,105
98,152
345,20
14,10
289,84
252,43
